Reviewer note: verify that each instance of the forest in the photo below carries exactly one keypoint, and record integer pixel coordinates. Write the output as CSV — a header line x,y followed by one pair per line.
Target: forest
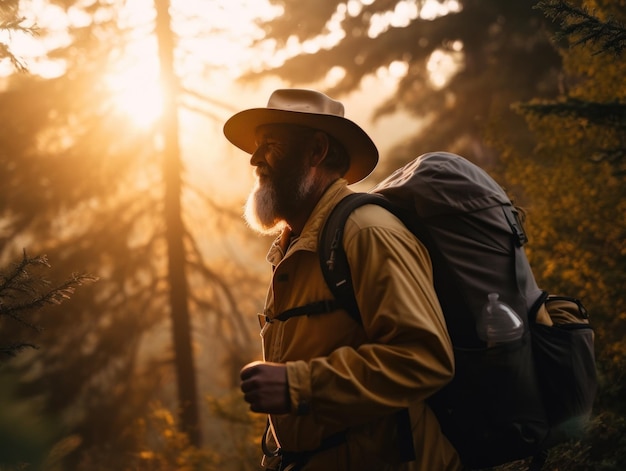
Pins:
x,y
129,282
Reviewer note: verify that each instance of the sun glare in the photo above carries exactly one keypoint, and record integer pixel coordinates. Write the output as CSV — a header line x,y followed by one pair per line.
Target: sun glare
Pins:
x,y
443,65
135,87
137,96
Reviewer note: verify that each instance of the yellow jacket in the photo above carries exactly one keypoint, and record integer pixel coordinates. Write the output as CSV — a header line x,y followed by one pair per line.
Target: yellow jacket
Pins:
x,y
347,376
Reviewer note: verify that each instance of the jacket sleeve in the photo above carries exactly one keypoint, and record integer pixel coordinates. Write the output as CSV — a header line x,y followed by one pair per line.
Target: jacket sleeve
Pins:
x,y
408,355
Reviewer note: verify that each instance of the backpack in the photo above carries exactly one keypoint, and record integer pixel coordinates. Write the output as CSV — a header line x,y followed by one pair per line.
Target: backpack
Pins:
x,y
509,401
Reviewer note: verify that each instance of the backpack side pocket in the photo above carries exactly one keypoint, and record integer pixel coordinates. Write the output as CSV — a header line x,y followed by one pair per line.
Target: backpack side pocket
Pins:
x,y
492,412
565,363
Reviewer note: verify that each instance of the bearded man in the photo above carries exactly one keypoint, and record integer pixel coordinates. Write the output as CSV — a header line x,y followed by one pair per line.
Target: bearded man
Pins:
x,y
340,394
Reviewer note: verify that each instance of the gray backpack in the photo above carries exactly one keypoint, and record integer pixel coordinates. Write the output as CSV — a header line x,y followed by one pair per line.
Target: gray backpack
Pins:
x,y
508,401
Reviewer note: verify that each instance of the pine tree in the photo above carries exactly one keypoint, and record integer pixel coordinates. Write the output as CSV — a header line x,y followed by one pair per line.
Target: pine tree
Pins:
x,y
23,290
605,41
12,22
572,186
82,184
496,53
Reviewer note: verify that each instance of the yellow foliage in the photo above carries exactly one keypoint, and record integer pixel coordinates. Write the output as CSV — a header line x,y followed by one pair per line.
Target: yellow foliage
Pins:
x,y
575,200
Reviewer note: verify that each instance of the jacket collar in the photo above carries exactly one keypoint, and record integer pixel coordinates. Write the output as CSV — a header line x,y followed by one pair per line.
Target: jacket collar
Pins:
x,y
285,244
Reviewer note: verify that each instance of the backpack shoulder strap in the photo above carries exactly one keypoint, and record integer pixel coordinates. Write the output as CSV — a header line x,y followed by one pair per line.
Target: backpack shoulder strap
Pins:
x,y
337,275
333,260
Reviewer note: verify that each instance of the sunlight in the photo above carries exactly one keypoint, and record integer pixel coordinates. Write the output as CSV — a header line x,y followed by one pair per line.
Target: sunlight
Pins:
x,y
214,49
223,37
30,49
393,72
404,12
334,75
137,98
135,87
433,9
444,64
134,81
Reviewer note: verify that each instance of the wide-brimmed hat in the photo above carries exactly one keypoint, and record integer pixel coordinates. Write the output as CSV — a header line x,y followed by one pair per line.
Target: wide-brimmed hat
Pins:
x,y
312,109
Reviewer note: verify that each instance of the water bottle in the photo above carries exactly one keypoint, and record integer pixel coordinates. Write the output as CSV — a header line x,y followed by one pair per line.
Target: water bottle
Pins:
x,y
498,322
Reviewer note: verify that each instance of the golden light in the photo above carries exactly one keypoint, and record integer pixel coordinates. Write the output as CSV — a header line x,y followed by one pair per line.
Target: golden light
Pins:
x,y
135,87
444,64
214,39
203,43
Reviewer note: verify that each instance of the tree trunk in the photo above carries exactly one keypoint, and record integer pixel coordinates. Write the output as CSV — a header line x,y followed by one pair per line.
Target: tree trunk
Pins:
x,y
172,169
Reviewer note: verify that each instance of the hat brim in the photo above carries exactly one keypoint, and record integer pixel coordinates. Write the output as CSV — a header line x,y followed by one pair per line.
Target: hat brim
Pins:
x,y
240,130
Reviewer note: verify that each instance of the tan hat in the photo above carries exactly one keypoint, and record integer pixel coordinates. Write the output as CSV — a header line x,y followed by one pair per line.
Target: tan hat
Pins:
x,y
307,108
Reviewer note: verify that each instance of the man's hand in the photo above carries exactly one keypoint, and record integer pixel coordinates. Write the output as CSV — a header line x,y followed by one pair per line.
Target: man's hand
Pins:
x,y
265,387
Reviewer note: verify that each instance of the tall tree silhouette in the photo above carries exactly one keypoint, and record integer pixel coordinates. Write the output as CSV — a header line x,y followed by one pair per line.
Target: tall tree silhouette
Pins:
x,y
82,184
174,231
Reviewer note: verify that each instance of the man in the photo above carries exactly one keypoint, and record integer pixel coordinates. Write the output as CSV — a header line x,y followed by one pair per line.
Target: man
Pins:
x,y
337,391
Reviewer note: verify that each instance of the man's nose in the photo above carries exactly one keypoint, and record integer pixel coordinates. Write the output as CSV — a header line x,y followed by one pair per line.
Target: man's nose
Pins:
x,y
257,157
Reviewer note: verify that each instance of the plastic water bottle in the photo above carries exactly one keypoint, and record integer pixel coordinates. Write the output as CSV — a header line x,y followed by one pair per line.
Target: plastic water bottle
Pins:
x,y
498,322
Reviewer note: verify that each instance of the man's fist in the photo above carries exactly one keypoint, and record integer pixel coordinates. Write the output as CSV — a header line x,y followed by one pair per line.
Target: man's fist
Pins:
x,y
265,387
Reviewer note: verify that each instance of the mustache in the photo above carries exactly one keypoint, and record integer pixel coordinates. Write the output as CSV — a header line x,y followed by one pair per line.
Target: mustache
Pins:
x,y
262,172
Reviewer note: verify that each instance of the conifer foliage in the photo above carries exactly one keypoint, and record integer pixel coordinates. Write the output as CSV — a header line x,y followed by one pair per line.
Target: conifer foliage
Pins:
x,y
12,22
602,39
463,65
23,291
572,185
81,182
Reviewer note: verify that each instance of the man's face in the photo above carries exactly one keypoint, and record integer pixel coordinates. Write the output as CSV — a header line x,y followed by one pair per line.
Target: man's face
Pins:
x,y
283,175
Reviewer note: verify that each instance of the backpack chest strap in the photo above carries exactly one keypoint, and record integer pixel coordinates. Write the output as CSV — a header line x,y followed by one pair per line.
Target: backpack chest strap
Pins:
x,y
317,307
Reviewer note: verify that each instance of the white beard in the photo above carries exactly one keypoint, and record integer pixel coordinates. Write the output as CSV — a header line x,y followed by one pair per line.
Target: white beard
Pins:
x,y
262,209
259,210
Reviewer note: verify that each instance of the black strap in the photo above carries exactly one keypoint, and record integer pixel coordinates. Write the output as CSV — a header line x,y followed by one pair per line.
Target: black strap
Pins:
x,y
534,310
336,271
333,260
405,436
512,216
300,458
317,307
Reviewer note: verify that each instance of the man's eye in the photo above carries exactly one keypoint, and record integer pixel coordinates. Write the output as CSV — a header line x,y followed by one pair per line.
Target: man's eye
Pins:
x,y
268,147
271,146
262,147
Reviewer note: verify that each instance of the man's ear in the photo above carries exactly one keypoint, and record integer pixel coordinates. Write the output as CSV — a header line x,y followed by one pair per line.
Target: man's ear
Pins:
x,y
319,147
